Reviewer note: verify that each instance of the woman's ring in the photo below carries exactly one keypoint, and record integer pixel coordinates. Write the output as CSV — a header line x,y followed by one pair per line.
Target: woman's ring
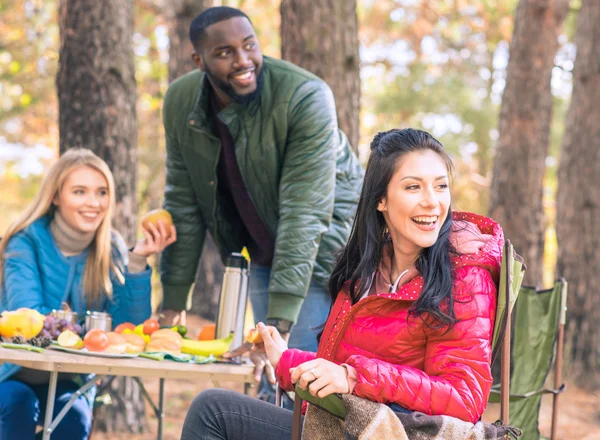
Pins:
x,y
312,371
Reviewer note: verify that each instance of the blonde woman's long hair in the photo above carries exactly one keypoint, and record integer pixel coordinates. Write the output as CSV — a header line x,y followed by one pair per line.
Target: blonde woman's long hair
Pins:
x,y
100,263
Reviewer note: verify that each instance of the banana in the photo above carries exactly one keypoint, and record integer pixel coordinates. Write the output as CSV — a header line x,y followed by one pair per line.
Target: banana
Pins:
x,y
216,347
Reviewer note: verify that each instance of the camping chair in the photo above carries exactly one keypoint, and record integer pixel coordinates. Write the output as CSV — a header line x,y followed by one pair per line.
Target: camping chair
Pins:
x,y
511,276
537,342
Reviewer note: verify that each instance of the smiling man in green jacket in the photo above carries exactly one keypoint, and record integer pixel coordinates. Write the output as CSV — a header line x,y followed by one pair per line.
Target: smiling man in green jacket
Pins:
x,y
255,157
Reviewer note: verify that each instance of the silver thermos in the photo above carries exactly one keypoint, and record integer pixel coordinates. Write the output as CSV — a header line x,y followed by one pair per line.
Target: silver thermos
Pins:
x,y
233,299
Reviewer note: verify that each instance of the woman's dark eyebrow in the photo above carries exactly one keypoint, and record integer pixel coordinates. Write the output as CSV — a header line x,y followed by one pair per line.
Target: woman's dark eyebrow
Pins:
x,y
420,179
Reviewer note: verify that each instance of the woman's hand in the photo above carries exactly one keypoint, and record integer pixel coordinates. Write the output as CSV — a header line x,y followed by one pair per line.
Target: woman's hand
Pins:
x,y
273,344
321,377
265,355
155,239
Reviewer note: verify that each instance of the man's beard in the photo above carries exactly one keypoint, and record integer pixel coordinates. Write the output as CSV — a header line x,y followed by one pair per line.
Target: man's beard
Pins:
x,y
227,88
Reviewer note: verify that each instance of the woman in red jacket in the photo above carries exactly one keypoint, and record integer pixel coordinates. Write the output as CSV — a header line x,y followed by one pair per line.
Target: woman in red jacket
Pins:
x,y
414,297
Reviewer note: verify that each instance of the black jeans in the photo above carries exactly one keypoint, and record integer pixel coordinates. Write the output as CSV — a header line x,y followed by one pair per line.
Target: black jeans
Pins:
x,y
227,415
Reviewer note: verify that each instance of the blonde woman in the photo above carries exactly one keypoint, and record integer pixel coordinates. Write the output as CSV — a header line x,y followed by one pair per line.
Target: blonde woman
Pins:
x,y
63,249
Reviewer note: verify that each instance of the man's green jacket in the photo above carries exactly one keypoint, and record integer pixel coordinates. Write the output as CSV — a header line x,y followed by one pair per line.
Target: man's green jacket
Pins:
x,y
298,169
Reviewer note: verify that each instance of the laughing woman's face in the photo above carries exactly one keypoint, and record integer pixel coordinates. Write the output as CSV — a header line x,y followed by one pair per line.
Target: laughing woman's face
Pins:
x,y
417,201
83,200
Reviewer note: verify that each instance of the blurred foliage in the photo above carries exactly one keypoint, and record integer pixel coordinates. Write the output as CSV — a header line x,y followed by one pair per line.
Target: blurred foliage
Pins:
x,y
28,103
436,65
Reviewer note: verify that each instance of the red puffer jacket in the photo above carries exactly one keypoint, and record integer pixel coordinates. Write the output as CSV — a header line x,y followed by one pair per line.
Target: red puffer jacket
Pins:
x,y
400,359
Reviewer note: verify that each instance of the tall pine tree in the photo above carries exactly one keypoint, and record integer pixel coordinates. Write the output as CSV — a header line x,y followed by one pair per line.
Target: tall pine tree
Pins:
x,y
525,117
97,98
321,36
578,199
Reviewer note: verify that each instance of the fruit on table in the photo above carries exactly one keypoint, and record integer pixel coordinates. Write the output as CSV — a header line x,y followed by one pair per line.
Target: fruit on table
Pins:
x,y
150,326
134,343
53,327
116,343
96,340
123,326
70,339
216,347
181,329
21,322
138,330
253,336
158,215
207,333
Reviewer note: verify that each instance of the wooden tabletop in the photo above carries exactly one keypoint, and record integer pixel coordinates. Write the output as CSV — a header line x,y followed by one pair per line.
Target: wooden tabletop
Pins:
x,y
53,360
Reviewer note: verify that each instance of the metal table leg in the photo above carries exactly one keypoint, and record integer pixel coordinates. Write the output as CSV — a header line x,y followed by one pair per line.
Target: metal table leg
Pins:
x,y
90,383
158,410
247,387
49,424
50,405
161,405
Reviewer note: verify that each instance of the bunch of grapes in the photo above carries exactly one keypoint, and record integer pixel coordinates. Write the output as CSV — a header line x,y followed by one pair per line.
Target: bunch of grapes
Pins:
x,y
53,327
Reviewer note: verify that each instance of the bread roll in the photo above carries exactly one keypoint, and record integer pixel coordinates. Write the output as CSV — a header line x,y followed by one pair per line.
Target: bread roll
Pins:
x,y
164,345
134,343
166,333
116,343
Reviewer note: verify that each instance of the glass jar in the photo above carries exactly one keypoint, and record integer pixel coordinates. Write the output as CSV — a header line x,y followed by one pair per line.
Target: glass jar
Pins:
x,y
101,320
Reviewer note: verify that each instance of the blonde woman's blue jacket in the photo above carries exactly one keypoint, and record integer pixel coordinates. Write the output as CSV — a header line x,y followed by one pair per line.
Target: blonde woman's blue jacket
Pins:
x,y
38,276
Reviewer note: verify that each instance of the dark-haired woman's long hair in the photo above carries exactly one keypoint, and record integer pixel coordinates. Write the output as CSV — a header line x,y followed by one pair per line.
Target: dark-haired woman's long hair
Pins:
x,y
361,257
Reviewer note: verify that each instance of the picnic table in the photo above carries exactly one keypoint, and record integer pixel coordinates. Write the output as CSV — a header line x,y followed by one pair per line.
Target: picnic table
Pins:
x,y
60,362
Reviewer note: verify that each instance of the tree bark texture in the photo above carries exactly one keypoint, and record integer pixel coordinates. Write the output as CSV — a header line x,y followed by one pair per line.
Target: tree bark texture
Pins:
x,y
180,14
321,36
97,110
578,200
97,94
525,118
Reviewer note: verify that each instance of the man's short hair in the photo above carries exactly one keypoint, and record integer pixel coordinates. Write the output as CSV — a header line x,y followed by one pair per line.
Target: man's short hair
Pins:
x,y
210,17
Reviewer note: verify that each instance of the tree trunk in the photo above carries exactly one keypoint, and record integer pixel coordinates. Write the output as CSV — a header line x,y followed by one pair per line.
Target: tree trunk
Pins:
x,y
321,36
97,94
205,298
578,200
180,14
97,97
525,117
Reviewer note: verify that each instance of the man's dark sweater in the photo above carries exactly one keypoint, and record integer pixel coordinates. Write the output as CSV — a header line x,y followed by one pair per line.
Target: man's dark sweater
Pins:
x,y
231,185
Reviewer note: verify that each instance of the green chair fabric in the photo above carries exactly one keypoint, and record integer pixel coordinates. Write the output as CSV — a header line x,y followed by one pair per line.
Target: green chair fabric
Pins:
x,y
512,272
537,316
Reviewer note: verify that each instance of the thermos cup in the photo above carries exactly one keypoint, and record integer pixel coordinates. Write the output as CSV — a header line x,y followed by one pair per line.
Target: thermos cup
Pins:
x,y
233,299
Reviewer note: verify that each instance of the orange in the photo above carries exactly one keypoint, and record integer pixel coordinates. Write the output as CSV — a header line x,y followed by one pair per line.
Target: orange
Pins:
x,y
207,333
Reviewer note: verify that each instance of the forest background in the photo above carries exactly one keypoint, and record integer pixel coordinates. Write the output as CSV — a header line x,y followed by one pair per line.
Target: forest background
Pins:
x,y
442,66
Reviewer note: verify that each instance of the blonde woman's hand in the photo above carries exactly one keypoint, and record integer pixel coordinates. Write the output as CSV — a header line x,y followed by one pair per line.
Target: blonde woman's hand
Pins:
x,y
156,239
321,377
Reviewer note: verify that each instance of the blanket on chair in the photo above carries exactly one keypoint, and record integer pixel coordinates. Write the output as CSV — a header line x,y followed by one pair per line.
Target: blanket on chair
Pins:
x,y
366,420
